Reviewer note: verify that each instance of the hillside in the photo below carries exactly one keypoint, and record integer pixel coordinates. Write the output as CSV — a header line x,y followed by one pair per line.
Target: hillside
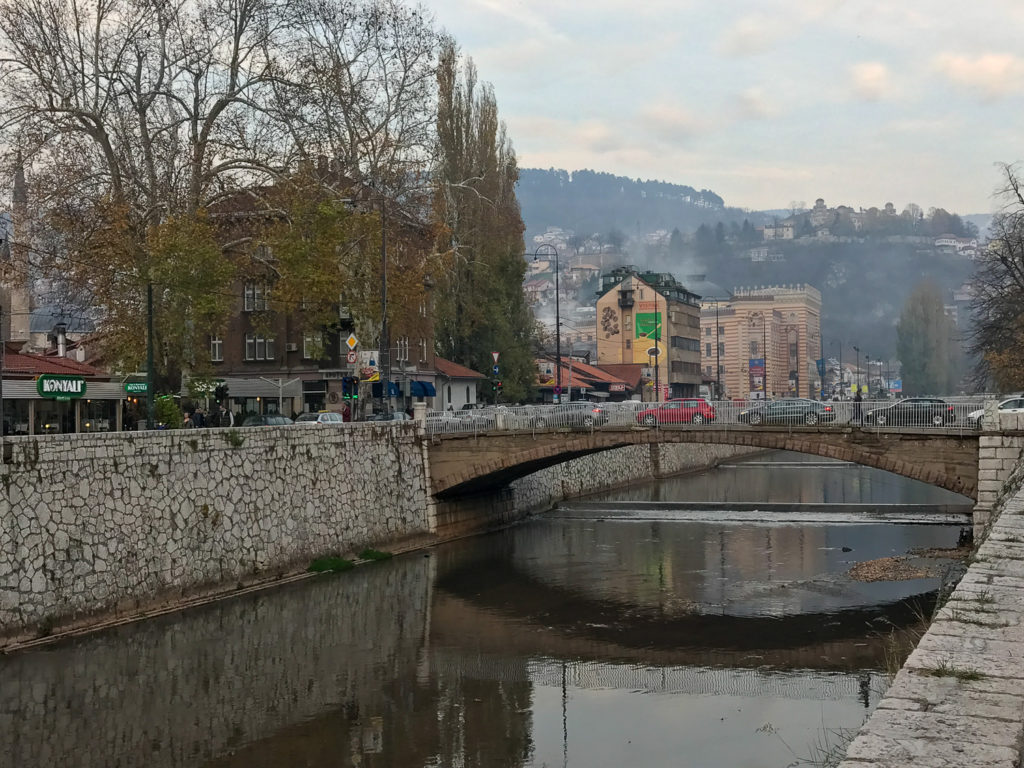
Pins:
x,y
590,202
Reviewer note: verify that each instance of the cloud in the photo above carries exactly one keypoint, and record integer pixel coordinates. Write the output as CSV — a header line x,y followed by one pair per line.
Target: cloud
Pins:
x,y
751,35
753,104
871,81
539,131
993,75
671,122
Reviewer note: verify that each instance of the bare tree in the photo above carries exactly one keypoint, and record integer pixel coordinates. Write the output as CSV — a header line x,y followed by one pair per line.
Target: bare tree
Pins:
x,y
997,304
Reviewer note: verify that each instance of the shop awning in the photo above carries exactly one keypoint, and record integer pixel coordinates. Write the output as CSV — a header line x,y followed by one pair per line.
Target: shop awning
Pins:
x,y
422,389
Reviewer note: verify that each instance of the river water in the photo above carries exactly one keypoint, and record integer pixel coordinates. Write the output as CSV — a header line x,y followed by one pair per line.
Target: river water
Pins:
x,y
607,633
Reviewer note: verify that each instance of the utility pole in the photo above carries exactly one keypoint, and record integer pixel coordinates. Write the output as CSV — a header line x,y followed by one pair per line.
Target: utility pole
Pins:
x,y
3,418
385,342
857,378
150,369
718,353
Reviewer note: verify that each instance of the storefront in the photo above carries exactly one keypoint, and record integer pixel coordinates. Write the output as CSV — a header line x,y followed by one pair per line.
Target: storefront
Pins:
x,y
45,395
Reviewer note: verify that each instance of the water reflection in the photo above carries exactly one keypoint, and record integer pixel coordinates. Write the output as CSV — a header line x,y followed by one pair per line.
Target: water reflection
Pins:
x,y
561,642
789,477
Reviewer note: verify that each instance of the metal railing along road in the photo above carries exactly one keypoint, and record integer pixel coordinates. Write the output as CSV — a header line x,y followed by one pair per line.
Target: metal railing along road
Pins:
x,y
938,414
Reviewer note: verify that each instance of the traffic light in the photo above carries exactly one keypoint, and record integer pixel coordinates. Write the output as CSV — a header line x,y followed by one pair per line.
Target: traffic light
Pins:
x,y
499,386
349,388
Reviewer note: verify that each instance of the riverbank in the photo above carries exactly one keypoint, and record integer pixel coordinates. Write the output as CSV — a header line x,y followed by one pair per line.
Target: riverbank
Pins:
x,y
98,530
959,698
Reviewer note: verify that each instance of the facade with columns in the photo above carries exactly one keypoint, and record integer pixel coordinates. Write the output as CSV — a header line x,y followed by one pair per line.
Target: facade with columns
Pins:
x,y
763,342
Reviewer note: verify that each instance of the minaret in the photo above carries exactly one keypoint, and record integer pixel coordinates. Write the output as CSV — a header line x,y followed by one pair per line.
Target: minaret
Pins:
x,y
17,280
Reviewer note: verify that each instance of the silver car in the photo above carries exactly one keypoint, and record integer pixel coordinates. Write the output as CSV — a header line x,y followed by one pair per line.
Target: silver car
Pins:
x,y
320,419
1011,405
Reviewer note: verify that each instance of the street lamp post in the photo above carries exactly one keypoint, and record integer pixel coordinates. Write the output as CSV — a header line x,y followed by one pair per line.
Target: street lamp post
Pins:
x,y
857,350
558,320
718,353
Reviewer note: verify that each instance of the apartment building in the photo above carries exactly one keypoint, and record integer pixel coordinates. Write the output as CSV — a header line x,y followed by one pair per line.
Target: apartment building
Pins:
x,y
651,319
763,342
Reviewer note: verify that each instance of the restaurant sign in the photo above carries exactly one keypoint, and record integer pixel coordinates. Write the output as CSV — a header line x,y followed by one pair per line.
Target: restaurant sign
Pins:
x,y
60,387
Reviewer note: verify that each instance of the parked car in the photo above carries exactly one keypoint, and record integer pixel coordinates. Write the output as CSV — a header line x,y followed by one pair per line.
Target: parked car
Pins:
x,y
920,411
393,416
268,420
685,410
576,413
788,410
320,419
1012,405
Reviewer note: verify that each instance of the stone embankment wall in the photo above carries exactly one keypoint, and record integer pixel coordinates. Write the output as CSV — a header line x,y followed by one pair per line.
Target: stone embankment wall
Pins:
x,y
959,700
92,523
999,456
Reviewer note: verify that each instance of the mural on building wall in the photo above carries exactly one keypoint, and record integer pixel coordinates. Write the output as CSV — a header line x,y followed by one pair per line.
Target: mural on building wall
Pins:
x,y
610,322
648,325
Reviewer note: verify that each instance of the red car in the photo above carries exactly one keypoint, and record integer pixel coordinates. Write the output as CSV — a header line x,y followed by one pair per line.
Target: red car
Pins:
x,y
687,410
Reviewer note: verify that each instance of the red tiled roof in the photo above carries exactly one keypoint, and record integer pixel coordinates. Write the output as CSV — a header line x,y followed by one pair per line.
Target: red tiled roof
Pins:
x,y
452,370
19,363
630,373
582,373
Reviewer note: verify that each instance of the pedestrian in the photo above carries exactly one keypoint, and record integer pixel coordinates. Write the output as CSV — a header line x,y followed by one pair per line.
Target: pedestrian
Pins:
x,y
346,412
227,418
186,421
199,418
857,399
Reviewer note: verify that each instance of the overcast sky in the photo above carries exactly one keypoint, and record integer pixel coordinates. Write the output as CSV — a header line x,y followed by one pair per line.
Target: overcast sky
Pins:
x,y
860,102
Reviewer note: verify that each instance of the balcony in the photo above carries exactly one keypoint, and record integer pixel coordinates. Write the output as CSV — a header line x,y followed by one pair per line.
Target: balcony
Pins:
x,y
625,299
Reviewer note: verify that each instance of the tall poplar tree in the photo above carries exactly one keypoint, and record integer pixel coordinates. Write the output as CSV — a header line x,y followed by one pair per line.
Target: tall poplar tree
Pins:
x,y
481,308
927,346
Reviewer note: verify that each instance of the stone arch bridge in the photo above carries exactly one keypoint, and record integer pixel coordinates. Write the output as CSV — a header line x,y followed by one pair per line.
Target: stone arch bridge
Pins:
x,y
466,464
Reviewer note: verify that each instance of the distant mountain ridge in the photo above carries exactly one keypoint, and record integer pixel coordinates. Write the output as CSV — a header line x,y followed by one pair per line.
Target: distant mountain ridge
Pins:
x,y
589,202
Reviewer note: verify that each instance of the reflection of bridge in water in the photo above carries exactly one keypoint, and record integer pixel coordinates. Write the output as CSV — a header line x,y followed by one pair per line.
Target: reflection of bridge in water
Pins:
x,y
645,678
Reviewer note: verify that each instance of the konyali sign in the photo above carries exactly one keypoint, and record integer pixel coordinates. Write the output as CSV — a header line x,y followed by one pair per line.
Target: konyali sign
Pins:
x,y
60,387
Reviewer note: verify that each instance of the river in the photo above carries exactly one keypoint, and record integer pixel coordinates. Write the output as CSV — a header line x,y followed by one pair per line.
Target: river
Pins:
x,y
652,626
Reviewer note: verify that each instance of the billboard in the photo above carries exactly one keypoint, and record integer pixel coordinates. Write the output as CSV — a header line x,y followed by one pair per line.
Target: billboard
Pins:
x,y
756,368
648,325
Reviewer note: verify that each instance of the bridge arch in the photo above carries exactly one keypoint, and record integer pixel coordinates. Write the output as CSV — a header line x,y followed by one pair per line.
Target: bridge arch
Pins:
x,y
462,465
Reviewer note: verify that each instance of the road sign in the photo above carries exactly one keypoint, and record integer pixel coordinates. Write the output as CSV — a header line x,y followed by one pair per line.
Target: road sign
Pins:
x,y
558,390
495,369
495,356
351,342
351,356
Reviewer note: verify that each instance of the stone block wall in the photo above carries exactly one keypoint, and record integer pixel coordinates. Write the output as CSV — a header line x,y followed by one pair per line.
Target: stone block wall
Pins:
x,y
93,523
1000,470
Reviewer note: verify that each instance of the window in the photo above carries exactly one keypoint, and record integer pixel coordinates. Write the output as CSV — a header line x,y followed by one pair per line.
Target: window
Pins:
x,y
467,394
707,350
312,345
216,349
258,347
707,331
256,295
677,366
721,330
754,349
629,343
721,348
721,369
793,350
627,321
